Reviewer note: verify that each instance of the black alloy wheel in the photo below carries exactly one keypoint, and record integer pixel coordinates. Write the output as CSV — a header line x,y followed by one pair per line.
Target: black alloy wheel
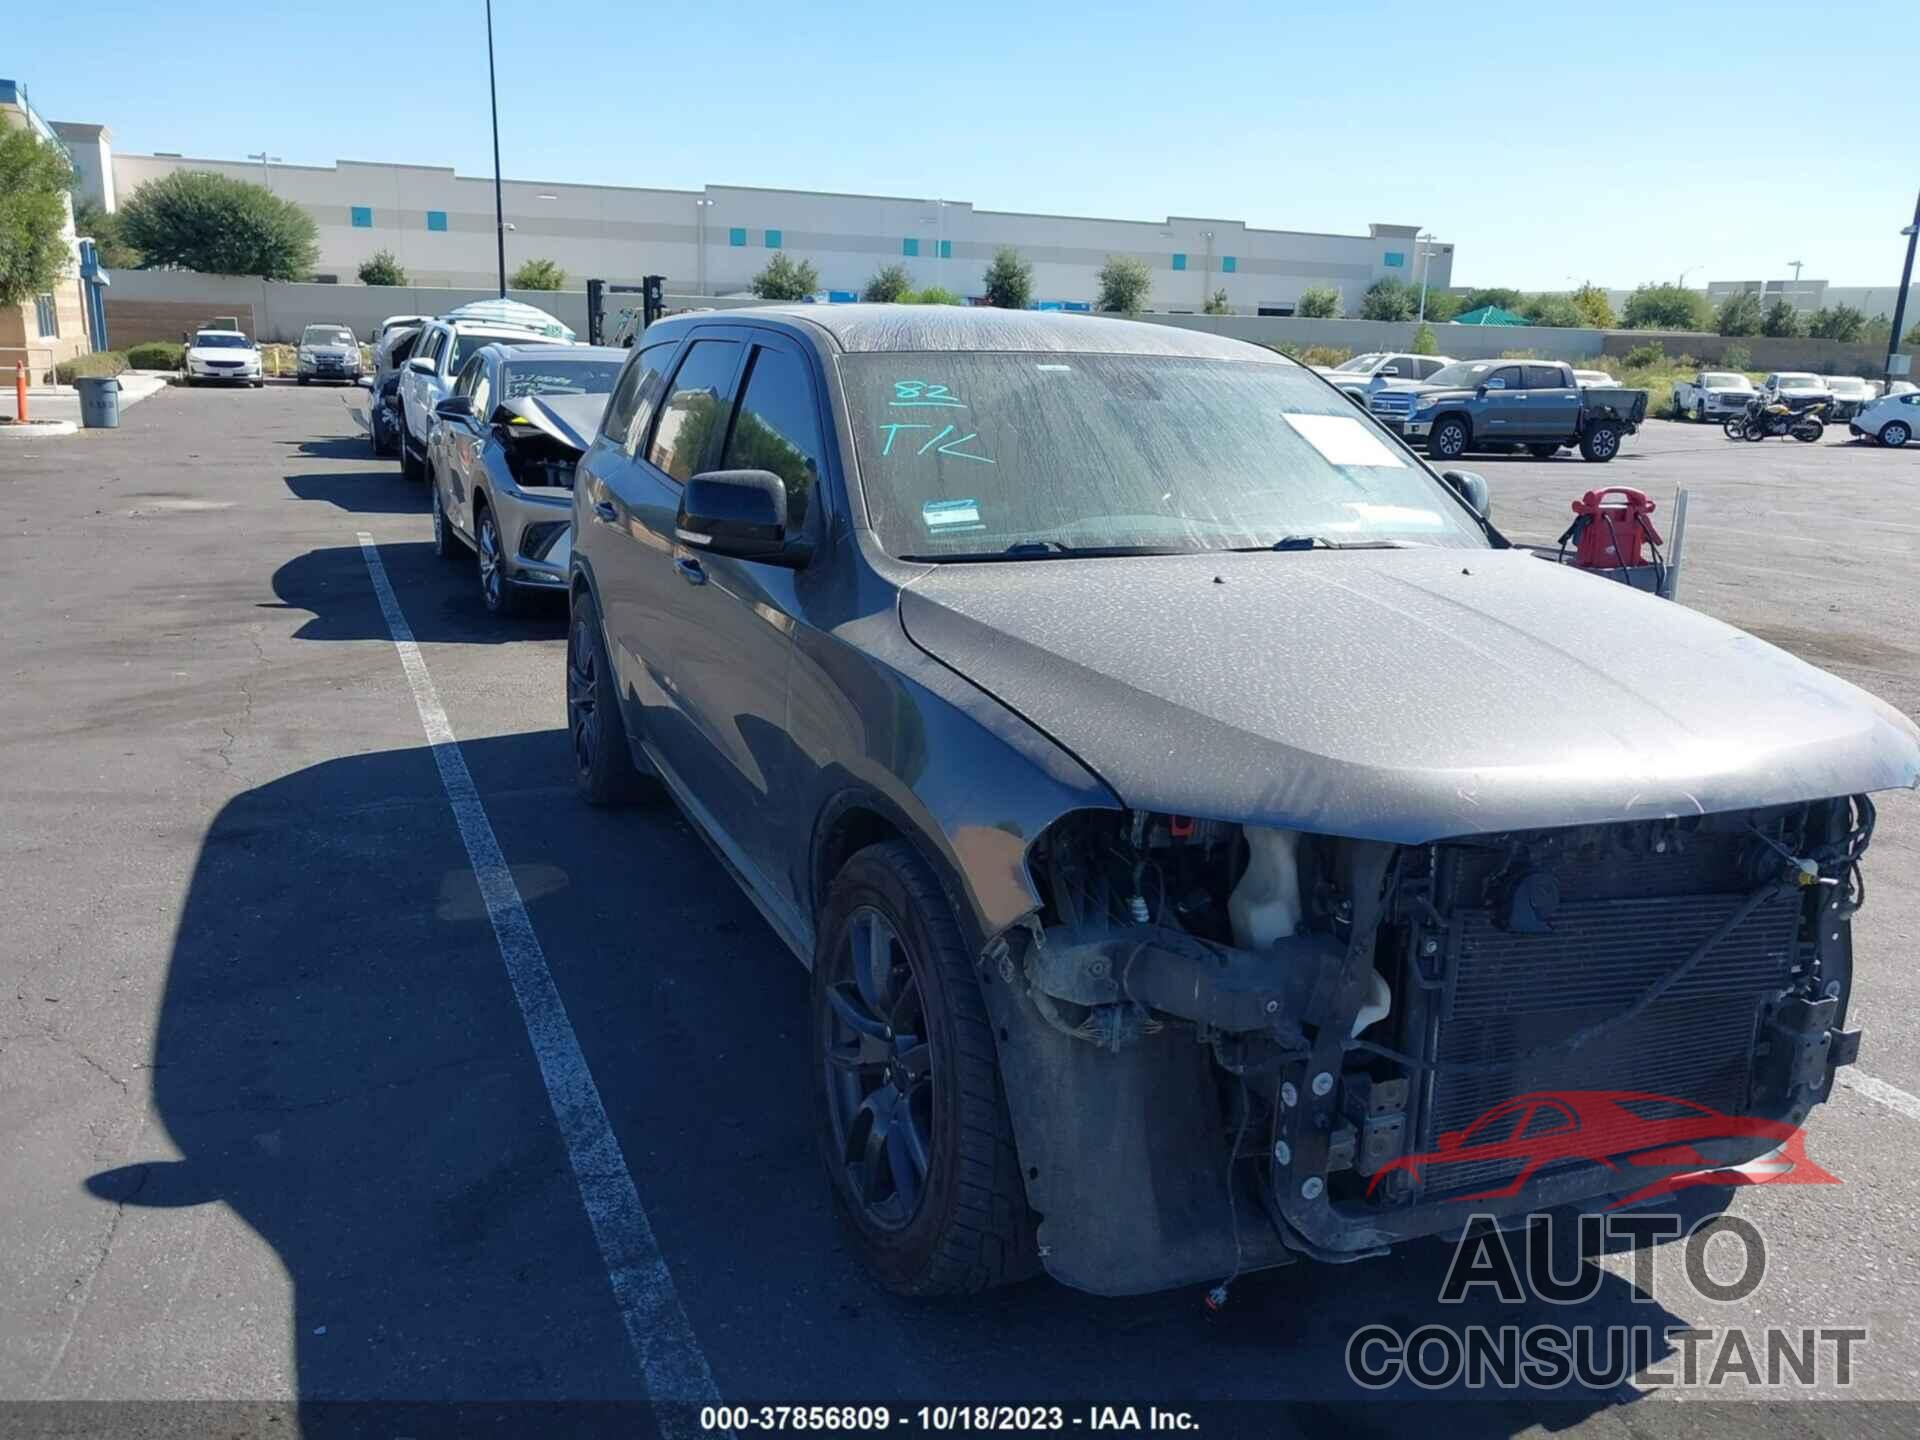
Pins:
x,y
499,593
603,768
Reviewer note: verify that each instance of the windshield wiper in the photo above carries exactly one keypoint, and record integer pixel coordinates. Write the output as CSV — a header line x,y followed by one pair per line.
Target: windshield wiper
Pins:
x,y
1049,549
1320,542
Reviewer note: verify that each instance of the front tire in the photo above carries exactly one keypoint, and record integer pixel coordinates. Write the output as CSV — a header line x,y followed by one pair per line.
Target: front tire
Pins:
x,y
1600,443
912,1119
603,768
410,468
1700,411
1449,438
1808,431
497,592
445,546
1895,434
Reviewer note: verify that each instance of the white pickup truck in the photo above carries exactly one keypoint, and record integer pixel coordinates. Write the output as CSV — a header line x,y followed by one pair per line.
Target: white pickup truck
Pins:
x,y
1712,395
1364,375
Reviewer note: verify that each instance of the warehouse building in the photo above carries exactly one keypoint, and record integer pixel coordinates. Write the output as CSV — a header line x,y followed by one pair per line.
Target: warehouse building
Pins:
x,y
440,227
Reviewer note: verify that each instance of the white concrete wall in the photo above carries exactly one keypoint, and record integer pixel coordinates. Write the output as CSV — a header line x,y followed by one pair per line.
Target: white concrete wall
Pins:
x,y
621,233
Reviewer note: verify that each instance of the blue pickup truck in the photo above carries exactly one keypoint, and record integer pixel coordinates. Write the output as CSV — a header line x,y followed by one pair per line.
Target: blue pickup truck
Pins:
x,y
1537,405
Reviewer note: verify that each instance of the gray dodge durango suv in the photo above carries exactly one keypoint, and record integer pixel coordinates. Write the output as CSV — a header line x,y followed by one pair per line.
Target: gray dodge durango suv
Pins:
x,y
1206,833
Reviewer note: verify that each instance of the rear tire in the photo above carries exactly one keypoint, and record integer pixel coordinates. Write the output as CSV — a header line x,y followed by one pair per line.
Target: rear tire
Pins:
x,y
912,1118
1600,443
603,768
1449,438
1895,433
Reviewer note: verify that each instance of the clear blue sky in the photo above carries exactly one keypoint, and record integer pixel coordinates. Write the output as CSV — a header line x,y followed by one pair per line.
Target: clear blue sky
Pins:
x,y
1621,142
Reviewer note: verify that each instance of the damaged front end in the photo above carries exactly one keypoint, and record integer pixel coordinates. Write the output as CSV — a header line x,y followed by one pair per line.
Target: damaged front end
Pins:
x,y
1228,1046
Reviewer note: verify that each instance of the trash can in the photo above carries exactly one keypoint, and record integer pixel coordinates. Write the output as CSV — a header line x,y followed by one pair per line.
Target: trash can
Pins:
x,y
99,401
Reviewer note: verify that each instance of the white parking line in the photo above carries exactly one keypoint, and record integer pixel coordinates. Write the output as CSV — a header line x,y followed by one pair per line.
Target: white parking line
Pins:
x,y
1891,1096
671,1360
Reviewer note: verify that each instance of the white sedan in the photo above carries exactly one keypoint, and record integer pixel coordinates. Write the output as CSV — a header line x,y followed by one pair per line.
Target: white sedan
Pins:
x,y
1892,419
225,355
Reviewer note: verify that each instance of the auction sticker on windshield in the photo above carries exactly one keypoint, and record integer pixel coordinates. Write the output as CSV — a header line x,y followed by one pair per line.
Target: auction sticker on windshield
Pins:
x,y
1343,440
952,516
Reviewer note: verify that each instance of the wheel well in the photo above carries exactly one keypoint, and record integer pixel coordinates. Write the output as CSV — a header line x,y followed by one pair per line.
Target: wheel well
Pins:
x,y
851,831
1462,416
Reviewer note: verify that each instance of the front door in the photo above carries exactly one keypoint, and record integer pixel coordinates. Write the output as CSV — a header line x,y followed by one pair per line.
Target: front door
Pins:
x,y
1504,414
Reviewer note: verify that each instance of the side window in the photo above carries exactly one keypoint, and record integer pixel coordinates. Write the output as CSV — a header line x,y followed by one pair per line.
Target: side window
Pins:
x,y
480,382
632,397
683,434
403,348
464,385
436,341
1507,377
777,428
1546,377
1425,367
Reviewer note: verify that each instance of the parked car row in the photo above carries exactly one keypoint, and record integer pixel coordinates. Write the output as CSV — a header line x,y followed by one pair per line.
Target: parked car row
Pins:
x,y
952,633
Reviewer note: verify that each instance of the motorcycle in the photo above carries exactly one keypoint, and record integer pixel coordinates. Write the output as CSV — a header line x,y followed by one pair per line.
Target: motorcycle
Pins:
x,y
1761,419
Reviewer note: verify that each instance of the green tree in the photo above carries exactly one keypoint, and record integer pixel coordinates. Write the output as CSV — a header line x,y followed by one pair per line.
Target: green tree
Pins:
x,y
1736,357
1739,314
1009,280
196,220
888,284
931,295
1424,342
1911,339
1841,322
1318,302
1442,306
1496,295
538,273
1555,311
1781,321
34,180
1667,307
1125,283
380,268
109,238
1596,311
1217,303
785,278
1388,299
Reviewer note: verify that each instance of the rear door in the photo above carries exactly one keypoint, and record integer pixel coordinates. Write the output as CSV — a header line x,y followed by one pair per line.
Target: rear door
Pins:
x,y
1553,402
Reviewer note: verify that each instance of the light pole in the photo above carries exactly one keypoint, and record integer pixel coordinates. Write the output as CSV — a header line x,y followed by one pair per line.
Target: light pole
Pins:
x,y
1424,244
1206,274
266,175
499,205
1688,271
1912,232
700,207
1796,264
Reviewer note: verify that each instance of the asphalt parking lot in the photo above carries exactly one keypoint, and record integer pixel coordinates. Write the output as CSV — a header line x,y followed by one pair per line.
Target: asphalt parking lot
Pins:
x,y
273,1128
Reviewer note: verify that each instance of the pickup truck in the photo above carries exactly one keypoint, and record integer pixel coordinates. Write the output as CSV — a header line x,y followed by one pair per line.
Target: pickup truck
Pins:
x,y
1366,375
1505,404
1712,395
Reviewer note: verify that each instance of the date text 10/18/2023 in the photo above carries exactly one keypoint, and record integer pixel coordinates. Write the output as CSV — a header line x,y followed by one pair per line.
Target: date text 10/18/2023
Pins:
x,y
979,1419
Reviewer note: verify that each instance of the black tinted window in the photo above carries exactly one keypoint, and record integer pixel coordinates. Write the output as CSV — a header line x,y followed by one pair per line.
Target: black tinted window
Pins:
x,y
683,434
777,428
639,384
1546,377
1508,375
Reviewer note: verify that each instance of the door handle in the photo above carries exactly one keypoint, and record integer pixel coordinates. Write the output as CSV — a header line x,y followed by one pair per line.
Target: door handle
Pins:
x,y
690,570
603,511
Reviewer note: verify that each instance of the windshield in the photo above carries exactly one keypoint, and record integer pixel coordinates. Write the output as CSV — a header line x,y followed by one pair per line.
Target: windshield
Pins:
x,y
208,341
1846,384
1801,382
561,377
465,342
1463,375
972,453
325,335
1718,380
1359,364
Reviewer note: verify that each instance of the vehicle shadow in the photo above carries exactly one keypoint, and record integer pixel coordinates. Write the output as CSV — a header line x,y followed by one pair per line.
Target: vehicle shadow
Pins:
x,y
339,1059
382,491
442,598
339,447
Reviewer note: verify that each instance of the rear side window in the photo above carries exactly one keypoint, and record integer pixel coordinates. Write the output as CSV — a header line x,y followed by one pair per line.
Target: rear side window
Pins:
x,y
633,397
682,436
1546,377
1426,367
777,428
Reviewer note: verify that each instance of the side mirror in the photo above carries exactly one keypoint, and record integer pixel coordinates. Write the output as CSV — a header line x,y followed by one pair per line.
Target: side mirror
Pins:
x,y
455,407
422,364
741,513
1471,488
1390,370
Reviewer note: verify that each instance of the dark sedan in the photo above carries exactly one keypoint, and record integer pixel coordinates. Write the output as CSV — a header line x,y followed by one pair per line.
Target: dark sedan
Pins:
x,y
500,461
1186,801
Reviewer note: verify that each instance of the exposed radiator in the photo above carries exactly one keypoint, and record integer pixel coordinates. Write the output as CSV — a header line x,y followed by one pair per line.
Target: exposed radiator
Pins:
x,y
1507,993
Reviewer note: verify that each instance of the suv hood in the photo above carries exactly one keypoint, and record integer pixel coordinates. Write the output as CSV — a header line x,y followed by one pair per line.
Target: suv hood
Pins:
x,y
1402,695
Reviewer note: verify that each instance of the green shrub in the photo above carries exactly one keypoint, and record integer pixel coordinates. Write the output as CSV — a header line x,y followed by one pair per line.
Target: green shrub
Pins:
x,y
1389,299
1318,302
888,284
1442,306
1740,314
1668,307
1424,342
105,362
1008,282
1736,357
380,268
1125,283
1555,311
1643,357
1217,303
1595,310
784,278
931,295
1841,322
155,355
1782,321
1497,296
